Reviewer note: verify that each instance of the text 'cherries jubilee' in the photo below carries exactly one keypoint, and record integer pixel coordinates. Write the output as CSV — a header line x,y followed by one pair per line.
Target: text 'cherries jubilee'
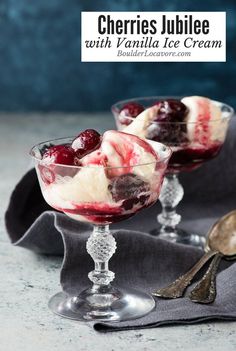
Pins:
x,y
87,141
132,109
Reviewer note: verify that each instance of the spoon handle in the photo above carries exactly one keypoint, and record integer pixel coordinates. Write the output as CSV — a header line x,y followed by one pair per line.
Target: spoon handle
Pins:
x,y
205,290
177,288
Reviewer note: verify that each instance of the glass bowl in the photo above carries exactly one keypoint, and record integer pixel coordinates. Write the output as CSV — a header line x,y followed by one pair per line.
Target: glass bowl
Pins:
x,y
187,155
101,196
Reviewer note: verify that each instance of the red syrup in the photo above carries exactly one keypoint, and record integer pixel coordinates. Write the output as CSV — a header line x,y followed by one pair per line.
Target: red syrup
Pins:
x,y
99,213
188,159
99,216
109,219
132,109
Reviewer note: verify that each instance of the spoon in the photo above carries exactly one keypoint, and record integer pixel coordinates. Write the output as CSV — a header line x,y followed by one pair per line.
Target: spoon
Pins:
x,y
221,241
224,237
205,290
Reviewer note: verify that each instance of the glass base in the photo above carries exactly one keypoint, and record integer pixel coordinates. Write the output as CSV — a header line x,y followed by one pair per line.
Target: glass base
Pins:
x,y
180,236
104,304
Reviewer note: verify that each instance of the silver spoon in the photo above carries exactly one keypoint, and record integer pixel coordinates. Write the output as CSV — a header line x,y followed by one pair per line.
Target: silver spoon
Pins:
x,y
205,290
221,241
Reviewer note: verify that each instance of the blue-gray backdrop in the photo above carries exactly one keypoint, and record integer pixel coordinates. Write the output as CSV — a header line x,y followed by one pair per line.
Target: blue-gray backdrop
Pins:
x,y
40,66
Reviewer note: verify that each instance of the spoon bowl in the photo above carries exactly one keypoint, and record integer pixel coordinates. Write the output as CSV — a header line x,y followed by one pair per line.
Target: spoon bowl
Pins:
x,y
222,236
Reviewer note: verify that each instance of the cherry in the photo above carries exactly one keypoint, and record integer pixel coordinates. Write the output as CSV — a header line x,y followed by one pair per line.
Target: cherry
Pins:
x,y
61,154
167,127
86,142
171,110
129,204
54,155
131,109
171,134
130,188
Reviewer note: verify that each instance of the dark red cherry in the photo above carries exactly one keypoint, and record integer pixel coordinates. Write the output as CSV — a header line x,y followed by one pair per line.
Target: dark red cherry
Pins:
x,y
61,154
171,134
169,126
131,109
130,188
171,110
86,142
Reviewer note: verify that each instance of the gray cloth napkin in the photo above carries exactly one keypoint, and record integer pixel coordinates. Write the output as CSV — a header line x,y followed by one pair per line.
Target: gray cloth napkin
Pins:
x,y
141,261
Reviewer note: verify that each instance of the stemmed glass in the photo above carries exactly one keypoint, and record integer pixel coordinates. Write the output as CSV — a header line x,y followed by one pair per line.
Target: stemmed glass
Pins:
x,y
186,156
67,189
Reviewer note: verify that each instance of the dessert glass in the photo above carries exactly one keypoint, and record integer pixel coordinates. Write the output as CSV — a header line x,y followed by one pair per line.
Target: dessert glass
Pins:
x,y
186,156
60,188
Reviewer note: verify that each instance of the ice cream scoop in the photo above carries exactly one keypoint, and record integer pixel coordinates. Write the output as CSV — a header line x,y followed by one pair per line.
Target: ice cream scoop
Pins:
x,y
203,120
111,176
198,118
120,149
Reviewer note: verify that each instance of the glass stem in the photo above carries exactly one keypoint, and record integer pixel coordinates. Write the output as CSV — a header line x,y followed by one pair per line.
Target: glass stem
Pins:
x,y
172,193
101,246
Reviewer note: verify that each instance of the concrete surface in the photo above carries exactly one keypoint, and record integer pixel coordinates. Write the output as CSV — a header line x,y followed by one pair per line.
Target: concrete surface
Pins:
x,y
28,280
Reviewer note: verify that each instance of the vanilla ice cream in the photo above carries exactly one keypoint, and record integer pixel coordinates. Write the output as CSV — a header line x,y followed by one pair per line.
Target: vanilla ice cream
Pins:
x,y
204,120
141,122
117,179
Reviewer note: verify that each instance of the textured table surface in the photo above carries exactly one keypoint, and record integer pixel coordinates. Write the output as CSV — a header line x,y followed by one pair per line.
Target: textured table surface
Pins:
x,y
28,280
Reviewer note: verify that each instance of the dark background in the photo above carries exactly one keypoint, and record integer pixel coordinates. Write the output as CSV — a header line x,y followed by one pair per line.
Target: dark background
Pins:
x,y
40,68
